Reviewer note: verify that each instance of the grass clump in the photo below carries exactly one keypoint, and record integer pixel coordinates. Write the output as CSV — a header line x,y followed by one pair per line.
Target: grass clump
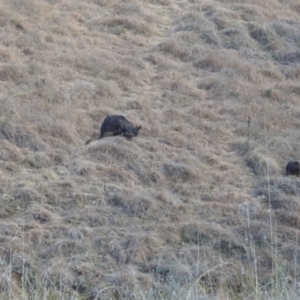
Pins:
x,y
197,205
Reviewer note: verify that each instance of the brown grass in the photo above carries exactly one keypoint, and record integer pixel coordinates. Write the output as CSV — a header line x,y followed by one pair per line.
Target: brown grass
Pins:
x,y
197,205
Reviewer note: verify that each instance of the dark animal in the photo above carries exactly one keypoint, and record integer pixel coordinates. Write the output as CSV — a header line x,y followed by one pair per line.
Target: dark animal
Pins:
x,y
117,125
293,168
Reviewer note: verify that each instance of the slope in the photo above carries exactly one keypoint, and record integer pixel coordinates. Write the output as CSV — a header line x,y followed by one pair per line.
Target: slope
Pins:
x,y
197,205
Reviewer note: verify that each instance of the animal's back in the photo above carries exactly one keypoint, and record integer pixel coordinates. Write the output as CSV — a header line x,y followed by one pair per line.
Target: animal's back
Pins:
x,y
113,118
112,122
117,124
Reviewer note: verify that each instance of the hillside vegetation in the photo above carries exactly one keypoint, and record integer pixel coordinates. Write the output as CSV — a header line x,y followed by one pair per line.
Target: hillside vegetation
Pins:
x,y
197,206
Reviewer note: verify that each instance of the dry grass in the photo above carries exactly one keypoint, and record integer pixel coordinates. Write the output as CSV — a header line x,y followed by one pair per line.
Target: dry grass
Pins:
x,y
197,205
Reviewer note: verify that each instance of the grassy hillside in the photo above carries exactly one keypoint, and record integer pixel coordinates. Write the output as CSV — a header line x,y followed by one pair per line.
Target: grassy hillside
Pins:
x,y
197,206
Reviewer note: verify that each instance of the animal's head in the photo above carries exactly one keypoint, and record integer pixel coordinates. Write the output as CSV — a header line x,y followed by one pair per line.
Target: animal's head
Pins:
x,y
136,129
133,132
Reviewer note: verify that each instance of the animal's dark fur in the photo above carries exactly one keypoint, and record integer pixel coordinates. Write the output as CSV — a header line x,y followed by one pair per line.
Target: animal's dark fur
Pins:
x,y
117,125
293,168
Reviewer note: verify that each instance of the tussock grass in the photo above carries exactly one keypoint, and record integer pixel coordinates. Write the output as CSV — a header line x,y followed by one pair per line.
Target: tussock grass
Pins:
x,y
262,164
197,205
121,24
10,72
173,47
21,136
134,205
287,56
